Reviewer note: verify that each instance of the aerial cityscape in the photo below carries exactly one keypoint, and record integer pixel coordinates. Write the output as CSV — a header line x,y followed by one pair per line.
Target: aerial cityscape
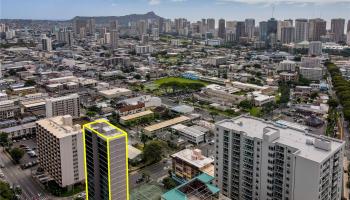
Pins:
x,y
174,100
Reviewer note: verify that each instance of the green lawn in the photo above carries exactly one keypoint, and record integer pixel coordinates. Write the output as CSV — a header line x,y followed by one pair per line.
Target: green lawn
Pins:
x,y
177,79
256,112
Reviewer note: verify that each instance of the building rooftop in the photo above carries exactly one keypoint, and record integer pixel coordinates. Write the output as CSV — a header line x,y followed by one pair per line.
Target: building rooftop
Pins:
x,y
309,146
136,115
105,129
64,97
193,157
167,123
60,126
184,109
188,130
114,91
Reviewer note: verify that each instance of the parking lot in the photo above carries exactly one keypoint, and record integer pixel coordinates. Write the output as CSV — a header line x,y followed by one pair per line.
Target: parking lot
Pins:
x,y
22,178
28,146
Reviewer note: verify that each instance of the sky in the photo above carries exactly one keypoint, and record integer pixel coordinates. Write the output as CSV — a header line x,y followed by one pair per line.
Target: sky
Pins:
x,y
191,9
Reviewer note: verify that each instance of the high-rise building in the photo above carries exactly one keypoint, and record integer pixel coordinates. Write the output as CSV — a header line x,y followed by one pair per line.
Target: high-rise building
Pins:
x,y
337,28
180,24
348,38
113,25
317,28
204,26
301,30
315,48
114,35
2,28
263,31
287,34
106,161
258,159
222,29
231,26
46,43
280,25
155,34
64,105
91,26
240,30
60,149
271,26
211,25
142,27
161,25
230,36
250,27
66,36
107,38
348,28
78,24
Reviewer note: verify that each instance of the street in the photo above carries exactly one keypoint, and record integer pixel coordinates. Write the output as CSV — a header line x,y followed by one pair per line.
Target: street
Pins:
x,y
16,176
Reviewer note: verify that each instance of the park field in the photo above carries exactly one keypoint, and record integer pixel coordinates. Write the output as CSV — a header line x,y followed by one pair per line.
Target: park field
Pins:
x,y
177,79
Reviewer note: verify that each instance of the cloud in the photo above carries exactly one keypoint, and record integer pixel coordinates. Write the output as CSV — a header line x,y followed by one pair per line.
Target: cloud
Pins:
x,y
154,2
287,1
178,0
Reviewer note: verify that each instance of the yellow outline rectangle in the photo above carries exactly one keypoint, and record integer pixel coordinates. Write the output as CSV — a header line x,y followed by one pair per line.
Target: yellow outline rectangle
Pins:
x,y
123,134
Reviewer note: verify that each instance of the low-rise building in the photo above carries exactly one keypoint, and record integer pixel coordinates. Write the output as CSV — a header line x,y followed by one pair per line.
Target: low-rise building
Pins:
x,y
165,124
135,117
115,92
20,131
224,95
314,74
148,100
191,134
8,109
187,164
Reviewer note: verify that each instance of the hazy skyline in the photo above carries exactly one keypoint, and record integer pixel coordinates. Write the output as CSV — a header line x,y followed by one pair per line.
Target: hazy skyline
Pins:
x,y
190,9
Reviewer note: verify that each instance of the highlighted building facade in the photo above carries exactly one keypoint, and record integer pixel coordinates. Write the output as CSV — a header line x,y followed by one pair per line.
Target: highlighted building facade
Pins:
x,y
106,161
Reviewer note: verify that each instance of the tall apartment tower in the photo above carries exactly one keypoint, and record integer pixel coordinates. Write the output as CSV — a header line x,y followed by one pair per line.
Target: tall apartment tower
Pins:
x,y
317,28
66,36
287,34
315,48
240,30
250,27
60,149
91,26
64,105
280,25
257,159
114,35
348,28
46,43
79,24
211,25
337,28
106,161
263,31
113,25
222,29
301,30
155,34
